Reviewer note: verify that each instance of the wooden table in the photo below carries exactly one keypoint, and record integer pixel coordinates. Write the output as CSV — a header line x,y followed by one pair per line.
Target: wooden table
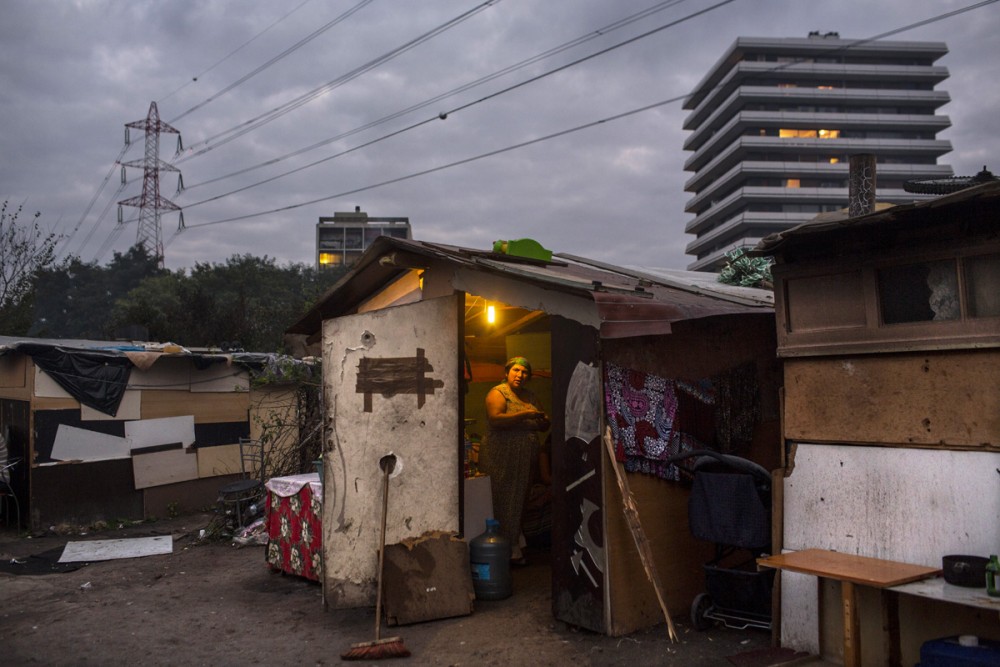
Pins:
x,y
852,571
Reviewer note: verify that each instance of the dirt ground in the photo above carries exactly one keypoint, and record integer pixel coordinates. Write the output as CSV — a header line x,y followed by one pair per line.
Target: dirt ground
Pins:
x,y
212,603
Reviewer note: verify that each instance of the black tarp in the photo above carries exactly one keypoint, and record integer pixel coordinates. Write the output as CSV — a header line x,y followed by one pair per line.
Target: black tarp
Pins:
x,y
95,378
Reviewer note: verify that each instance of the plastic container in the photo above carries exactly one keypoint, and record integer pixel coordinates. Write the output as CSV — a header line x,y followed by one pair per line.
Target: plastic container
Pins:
x,y
950,652
489,556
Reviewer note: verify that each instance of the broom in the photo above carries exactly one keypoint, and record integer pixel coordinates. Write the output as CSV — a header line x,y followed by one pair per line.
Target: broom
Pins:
x,y
390,647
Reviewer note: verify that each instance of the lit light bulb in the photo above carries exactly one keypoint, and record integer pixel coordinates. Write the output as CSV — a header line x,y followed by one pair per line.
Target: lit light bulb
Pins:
x,y
491,314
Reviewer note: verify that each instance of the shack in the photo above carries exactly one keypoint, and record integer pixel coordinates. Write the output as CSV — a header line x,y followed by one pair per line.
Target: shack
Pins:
x,y
409,353
888,326
103,430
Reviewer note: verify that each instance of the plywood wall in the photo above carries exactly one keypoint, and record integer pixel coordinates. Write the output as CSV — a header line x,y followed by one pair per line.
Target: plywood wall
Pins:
x,y
940,399
697,349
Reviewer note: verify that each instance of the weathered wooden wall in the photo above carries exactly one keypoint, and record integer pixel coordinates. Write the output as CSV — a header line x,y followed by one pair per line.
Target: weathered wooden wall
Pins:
x,y
934,399
218,400
696,349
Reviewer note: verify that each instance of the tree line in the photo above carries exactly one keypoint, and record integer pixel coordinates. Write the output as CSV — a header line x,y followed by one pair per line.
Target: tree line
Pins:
x,y
245,302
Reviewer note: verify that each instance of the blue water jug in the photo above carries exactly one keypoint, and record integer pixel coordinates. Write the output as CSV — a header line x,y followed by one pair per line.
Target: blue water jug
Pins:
x,y
489,555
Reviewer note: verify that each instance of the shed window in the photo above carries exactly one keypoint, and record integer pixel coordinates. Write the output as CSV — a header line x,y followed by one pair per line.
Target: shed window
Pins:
x,y
921,292
982,279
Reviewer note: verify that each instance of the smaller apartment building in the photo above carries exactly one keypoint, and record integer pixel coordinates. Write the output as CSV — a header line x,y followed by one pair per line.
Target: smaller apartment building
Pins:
x,y
342,239
773,123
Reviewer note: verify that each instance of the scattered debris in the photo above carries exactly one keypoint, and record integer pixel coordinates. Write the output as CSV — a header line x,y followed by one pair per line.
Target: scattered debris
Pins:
x,y
255,533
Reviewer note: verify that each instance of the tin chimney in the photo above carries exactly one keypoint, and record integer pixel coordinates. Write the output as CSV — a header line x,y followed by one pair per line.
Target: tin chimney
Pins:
x,y
861,184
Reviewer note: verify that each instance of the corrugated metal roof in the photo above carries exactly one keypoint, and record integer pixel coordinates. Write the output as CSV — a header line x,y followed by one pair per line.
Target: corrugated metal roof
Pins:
x,y
818,229
627,302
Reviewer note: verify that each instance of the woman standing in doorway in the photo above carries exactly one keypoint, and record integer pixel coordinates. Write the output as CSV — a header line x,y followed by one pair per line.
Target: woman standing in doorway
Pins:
x,y
514,418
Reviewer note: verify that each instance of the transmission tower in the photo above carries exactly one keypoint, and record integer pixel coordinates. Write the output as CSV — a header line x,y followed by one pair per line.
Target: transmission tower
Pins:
x,y
150,203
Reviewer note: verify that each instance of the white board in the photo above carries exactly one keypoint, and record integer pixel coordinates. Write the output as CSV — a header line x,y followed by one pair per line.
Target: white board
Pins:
x,y
136,547
911,505
168,430
46,387
78,444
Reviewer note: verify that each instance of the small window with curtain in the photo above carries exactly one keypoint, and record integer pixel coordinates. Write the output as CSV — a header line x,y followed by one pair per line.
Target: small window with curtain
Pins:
x,y
921,292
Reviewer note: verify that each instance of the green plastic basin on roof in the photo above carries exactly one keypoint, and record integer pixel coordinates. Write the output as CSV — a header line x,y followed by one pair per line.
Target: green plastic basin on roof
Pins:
x,y
523,248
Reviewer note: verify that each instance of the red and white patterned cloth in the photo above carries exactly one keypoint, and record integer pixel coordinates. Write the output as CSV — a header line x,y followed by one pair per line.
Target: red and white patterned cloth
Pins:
x,y
295,525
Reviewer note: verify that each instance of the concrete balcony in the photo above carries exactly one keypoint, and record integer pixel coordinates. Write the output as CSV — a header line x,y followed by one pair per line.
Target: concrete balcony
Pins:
x,y
712,117
737,150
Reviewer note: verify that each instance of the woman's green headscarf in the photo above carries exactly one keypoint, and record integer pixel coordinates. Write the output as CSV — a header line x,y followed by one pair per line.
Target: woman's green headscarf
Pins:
x,y
519,361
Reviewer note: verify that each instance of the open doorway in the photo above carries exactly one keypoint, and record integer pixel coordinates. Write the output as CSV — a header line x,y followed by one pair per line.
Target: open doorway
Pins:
x,y
493,333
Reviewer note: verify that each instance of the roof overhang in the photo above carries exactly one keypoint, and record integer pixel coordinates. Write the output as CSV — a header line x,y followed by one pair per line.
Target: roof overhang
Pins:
x,y
619,302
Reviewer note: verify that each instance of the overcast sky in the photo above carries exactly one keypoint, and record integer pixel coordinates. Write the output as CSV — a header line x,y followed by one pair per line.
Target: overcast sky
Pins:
x,y
73,73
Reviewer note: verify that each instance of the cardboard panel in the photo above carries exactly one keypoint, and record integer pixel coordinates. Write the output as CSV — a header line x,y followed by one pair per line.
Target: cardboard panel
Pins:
x,y
157,403
949,399
164,467
427,579
221,460
220,378
77,444
128,409
149,432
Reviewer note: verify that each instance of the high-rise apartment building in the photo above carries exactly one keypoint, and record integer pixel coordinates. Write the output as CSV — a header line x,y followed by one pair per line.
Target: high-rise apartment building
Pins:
x,y
774,123
342,239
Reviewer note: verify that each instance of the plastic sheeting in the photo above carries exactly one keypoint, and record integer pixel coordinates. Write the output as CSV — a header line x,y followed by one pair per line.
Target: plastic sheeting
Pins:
x,y
96,379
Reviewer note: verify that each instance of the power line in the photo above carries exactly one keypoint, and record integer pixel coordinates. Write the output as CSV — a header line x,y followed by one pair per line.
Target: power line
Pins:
x,y
432,170
86,212
572,130
113,235
232,53
467,105
294,47
237,131
593,34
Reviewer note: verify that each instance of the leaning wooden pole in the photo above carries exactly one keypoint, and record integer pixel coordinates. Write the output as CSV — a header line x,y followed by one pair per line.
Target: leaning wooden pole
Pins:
x,y
641,543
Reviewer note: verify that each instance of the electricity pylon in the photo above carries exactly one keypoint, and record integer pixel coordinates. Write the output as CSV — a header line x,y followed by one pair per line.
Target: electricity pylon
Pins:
x,y
150,203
